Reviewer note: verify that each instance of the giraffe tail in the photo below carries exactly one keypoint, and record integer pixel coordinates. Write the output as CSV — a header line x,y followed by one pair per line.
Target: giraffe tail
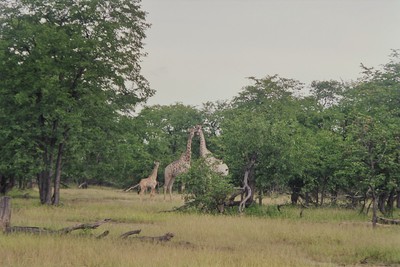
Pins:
x,y
131,188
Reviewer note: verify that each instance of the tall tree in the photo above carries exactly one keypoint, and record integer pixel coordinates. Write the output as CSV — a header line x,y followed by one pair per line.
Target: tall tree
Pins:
x,y
67,65
372,114
258,128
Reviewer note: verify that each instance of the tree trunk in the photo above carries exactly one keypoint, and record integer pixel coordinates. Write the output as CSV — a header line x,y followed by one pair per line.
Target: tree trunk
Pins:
x,y
57,180
307,199
45,187
374,207
5,213
45,176
334,195
381,201
390,201
6,184
260,197
249,192
3,184
398,199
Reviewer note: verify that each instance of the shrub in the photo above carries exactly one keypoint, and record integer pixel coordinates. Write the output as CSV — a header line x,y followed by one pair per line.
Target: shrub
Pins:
x,y
206,190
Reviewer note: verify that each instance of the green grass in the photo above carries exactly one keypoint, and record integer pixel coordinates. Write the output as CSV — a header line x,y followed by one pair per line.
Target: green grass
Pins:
x,y
263,237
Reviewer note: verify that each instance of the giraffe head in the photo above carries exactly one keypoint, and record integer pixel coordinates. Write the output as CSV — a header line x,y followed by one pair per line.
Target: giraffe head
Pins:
x,y
156,163
198,129
192,131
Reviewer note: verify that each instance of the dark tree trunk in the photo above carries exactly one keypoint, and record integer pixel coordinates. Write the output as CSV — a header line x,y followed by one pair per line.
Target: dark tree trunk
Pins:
x,y
45,177
390,201
295,185
382,200
374,207
57,180
307,199
44,187
398,199
6,184
3,184
334,195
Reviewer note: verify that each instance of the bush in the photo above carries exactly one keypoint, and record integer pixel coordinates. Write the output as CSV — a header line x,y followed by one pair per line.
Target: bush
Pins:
x,y
206,190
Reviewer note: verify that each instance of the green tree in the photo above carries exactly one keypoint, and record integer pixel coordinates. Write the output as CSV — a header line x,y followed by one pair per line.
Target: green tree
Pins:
x,y
67,68
259,127
372,134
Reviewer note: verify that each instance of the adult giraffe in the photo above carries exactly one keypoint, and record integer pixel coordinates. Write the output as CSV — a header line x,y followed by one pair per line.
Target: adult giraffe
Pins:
x,y
179,166
215,164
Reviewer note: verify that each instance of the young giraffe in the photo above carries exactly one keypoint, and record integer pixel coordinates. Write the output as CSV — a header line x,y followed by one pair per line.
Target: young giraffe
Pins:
x,y
149,182
179,166
215,164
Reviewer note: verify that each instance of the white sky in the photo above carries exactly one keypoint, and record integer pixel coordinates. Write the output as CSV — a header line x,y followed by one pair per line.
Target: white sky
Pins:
x,y
203,50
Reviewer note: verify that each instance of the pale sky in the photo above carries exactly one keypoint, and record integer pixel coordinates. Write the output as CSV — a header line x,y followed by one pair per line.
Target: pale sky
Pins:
x,y
203,50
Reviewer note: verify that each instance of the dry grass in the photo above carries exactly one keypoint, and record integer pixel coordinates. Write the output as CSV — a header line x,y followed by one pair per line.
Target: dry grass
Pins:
x,y
322,237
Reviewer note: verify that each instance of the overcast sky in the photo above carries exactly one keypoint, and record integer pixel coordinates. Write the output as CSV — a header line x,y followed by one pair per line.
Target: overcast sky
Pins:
x,y
203,50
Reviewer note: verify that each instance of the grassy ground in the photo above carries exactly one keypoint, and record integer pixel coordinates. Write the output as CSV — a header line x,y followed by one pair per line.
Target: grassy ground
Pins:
x,y
320,237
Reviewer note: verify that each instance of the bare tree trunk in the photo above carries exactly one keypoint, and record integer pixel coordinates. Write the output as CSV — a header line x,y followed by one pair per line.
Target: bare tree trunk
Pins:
x,y
5,213
247,188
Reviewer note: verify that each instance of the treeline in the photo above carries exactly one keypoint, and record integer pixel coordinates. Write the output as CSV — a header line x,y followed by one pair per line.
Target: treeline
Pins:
x,y
342,139
69,85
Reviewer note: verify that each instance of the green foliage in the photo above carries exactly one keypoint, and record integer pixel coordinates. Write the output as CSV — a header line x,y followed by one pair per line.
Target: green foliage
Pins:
x,y
262,123
263,211
206,190
69,69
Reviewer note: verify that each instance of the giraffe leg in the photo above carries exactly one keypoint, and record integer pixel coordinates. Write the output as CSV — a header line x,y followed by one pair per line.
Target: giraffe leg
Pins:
x,y
165,190
141,193
166,184
170,191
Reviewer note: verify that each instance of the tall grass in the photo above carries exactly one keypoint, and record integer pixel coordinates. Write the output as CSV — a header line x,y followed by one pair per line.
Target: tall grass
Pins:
x,y
320,237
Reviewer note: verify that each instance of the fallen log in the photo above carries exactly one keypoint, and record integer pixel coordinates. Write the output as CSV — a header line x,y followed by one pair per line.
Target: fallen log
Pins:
x,y
134,232
164,238
5,217
66,230
83,226
105,233
29,230
388,221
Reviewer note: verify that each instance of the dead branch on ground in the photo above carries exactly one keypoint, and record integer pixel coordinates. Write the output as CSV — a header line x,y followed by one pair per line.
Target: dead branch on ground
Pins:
x,y
164,238
388,221
134,232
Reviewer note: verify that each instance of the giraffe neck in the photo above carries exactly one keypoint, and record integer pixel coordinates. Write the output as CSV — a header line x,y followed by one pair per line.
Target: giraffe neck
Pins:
x,y
153,175
203,147
188,154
